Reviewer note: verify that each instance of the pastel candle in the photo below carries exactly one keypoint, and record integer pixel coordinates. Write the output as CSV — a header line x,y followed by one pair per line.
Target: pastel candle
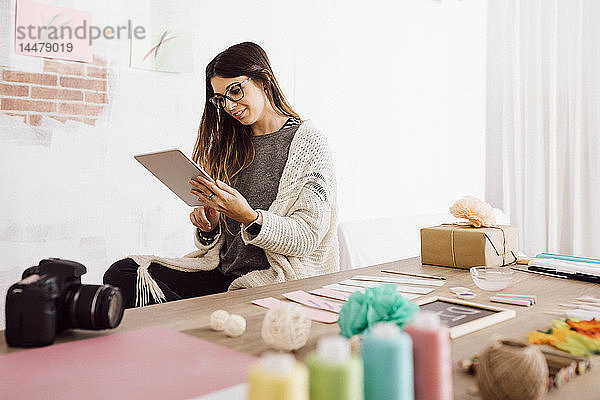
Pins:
x,y
388,363
432,362
334,372
277,376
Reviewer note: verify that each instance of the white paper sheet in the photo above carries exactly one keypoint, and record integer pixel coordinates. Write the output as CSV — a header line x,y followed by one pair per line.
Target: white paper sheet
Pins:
x,y
237,392
401,288
352,289
409,281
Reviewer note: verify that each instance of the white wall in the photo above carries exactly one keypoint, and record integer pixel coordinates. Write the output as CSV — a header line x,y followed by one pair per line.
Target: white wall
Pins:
x,y
397,86
400,89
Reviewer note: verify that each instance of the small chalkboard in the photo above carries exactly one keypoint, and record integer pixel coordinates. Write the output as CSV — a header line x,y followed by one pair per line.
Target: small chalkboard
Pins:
x,y
456,314
464,317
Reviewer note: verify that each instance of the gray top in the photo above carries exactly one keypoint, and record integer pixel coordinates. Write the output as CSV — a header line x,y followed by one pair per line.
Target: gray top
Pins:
x,y
258,184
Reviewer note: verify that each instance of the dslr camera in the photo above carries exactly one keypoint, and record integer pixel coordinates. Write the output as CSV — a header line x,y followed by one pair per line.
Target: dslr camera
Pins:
x,y
50,298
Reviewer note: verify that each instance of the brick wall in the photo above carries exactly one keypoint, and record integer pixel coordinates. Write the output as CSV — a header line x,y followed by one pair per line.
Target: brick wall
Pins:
x,y
66,90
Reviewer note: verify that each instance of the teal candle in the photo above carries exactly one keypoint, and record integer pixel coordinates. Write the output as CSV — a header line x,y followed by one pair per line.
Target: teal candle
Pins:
x,y
333,372
388,363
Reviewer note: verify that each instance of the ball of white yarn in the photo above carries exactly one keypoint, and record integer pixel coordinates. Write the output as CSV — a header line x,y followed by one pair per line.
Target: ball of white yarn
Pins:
x,y
218,319
235,326
286,328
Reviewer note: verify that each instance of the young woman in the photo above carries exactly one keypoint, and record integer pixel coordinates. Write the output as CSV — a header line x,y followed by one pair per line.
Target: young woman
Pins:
x,y
270,215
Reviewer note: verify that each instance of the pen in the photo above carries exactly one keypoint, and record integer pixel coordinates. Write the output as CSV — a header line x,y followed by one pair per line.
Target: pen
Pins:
x,y
569,275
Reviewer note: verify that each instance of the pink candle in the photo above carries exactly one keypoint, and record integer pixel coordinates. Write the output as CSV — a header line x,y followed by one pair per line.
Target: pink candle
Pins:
x,y
431,353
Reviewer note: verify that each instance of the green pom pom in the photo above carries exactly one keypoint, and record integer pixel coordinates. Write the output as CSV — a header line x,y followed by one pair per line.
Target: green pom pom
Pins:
x,y
382,303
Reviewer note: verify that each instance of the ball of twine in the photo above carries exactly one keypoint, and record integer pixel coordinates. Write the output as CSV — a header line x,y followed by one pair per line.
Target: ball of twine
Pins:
x,y
512,371
286,328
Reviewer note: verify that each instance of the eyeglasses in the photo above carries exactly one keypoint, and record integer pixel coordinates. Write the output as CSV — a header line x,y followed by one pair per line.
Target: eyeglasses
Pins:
x,y
234,92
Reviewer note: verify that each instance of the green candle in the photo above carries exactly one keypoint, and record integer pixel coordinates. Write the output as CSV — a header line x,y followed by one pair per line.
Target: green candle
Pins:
x,y
334,372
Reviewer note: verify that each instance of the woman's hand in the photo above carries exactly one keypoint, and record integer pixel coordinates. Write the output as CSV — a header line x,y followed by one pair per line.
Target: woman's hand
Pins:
x,y
205,218
225,199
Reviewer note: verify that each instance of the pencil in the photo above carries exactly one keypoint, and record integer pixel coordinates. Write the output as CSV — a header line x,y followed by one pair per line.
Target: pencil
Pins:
x,y
390,271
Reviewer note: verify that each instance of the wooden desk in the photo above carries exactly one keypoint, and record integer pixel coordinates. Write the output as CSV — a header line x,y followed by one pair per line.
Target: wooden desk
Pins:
x,y
191,316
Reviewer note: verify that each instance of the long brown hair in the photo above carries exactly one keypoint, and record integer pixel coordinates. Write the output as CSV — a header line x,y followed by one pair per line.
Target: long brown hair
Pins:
x,y
224,146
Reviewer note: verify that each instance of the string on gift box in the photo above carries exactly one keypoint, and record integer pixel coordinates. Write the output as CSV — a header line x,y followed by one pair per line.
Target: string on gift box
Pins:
x,y
458,225
504,263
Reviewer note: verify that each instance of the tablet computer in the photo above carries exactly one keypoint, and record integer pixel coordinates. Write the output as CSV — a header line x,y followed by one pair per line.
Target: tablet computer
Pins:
x,y
174,169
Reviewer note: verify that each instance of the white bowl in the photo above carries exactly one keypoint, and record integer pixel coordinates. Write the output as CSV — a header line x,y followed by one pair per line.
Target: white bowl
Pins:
x,y
491,278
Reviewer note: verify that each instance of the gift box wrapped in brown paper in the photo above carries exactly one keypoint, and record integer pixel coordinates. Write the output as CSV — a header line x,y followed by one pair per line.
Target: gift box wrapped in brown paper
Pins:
x,y
464,246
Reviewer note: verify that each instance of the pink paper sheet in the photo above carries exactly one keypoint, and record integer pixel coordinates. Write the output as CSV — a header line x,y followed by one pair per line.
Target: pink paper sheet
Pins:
x,y
154,363
300,296
46,18
332,294
316,315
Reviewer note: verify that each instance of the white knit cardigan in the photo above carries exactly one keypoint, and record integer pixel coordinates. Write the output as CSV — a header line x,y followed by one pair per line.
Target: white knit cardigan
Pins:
x,y
299,230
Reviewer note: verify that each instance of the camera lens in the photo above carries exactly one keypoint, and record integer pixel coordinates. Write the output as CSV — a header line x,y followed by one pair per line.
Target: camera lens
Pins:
x,y
94,307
